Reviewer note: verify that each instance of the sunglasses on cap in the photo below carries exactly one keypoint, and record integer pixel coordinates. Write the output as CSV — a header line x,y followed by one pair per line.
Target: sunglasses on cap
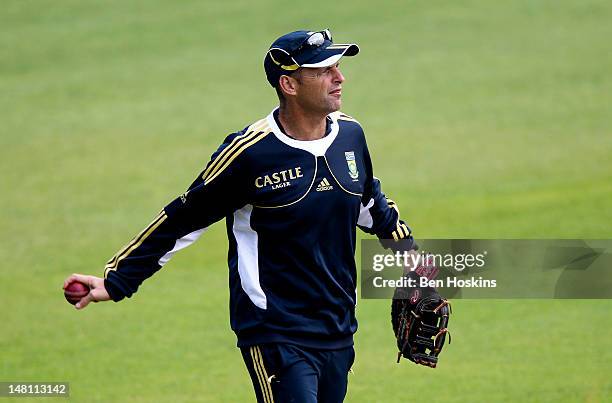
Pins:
x,y
286,60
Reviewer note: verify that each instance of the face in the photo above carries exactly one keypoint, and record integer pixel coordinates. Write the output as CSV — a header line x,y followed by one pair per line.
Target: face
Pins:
x,y
319,89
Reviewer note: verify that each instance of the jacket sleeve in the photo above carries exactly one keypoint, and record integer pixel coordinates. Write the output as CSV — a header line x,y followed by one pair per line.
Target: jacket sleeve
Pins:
x,y
380,215
216,193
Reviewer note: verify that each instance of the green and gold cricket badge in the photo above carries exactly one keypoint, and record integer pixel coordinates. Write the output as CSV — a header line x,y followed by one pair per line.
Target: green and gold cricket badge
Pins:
x,y
352,165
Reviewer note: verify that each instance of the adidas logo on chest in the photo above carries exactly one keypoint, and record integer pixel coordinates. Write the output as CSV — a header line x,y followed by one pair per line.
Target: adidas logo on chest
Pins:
x,y
324,185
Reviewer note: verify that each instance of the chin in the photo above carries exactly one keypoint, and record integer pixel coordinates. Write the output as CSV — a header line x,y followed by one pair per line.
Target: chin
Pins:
x,y
335,106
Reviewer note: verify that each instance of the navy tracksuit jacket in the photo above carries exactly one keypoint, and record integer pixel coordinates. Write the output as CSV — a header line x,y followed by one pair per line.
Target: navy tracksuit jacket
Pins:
x,y
291,208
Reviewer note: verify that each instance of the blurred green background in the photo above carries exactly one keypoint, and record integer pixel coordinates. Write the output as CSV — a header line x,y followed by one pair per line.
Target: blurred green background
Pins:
x,y
485,119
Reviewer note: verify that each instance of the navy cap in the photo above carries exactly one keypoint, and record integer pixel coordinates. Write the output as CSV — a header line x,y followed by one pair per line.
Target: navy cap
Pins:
x,y
304,49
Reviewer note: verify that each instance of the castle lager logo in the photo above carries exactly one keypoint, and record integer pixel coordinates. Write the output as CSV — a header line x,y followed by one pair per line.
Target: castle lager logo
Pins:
x,y
279,179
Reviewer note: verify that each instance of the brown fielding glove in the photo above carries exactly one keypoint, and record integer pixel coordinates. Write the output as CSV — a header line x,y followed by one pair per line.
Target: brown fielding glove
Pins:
x,y
420,318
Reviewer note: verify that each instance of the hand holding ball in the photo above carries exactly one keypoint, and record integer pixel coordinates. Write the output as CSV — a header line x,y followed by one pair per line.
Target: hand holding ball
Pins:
x,y
80,290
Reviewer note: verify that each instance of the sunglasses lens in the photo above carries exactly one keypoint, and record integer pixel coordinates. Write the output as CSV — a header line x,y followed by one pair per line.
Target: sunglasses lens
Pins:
x,y
316,39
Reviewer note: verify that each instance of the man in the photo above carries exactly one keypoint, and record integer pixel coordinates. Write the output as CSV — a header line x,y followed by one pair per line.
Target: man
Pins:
x,y
293,187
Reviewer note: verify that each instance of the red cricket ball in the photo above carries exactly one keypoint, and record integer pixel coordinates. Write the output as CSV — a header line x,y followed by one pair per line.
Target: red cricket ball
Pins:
x,y
75,291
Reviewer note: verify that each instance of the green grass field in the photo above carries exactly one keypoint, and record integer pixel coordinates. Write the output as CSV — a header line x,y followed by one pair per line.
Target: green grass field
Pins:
x,y
485,119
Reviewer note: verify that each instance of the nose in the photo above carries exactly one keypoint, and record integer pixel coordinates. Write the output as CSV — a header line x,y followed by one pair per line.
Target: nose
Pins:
x,y
338,77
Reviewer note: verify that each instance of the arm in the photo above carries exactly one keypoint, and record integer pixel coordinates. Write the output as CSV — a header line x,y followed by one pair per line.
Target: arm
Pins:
x,y
380,216
213,195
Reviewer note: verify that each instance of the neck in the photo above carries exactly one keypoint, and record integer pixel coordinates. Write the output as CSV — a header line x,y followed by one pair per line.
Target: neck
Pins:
x,y
301,124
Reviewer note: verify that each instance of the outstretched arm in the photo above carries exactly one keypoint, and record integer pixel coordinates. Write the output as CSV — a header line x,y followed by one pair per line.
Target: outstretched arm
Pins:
x,y
215,194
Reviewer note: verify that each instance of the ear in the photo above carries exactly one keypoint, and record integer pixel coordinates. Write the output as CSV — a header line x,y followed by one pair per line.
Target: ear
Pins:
x,y
288,85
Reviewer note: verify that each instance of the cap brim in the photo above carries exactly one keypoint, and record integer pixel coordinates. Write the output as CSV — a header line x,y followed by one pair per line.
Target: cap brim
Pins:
x,y
330,55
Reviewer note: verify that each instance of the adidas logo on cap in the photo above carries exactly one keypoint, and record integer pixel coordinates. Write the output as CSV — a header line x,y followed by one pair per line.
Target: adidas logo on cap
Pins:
x,y
324,185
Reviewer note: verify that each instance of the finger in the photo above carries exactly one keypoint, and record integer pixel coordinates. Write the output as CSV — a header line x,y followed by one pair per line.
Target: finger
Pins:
x,y
68,280
81,278
84,301
71,279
